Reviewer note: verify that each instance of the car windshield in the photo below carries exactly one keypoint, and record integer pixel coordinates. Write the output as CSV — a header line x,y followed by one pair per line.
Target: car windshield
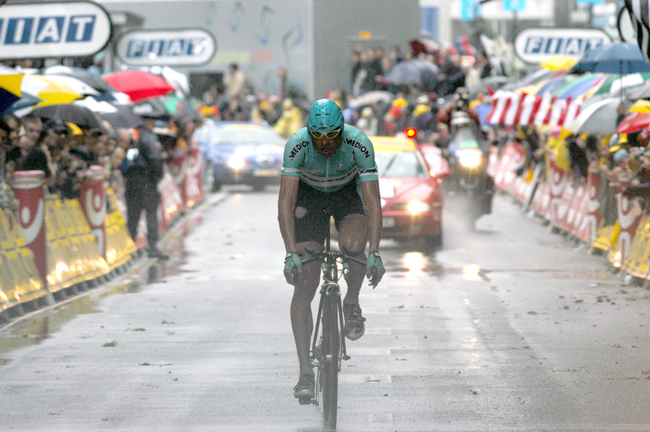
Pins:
x,y
249,136
401,164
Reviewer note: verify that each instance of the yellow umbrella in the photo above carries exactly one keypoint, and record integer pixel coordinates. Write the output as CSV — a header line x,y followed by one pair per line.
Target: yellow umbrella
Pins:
x,y
10,92
49,90
534,88
558,63
642,105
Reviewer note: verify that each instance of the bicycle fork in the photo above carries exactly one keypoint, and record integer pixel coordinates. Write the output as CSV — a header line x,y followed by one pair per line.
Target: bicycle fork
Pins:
x,y
328,290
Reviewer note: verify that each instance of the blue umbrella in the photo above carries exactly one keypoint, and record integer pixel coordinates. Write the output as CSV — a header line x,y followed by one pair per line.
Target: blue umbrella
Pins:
x,y
619,57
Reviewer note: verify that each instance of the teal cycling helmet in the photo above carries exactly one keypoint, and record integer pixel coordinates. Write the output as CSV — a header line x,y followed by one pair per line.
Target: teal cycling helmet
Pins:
x,y
324,116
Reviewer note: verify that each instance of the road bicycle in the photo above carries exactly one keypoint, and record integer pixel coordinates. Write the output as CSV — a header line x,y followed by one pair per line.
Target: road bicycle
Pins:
x,y
328,342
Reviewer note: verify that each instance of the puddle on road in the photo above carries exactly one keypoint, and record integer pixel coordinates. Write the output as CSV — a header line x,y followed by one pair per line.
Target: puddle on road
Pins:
x,y
45,322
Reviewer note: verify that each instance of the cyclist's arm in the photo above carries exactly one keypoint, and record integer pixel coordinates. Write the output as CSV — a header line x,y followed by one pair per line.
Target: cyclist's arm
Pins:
x,y
372,202
286,209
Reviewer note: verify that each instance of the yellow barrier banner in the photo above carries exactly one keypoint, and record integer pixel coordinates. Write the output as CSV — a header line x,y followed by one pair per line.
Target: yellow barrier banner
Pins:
x,y
119,245
72,253
638,261
19,278
603,238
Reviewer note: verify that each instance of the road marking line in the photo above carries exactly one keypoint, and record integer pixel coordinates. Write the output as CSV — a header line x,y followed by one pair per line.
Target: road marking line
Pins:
x,y
371,351
383,419
365,379
377,330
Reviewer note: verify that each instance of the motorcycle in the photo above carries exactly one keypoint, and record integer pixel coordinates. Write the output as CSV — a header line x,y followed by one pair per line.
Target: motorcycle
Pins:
x,y
469,173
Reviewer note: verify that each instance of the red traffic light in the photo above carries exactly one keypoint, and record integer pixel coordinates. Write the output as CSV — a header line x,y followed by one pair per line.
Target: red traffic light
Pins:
x,y
411,132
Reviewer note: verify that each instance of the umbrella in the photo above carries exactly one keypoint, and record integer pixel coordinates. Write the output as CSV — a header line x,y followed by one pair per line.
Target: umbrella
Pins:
x,y
49,90
424,45
180,107
122,117
619,57
75,84
372,97
138,85
416,72
152,108
77,114
634,122
641,92
558,63
556,84
599,117
25,102
642,105
95,81
615,83
10,80
579,86
96,106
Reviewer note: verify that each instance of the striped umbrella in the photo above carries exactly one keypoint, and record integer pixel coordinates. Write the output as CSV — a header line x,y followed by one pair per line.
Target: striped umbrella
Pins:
x,y
579,86
614,83
10,80
49,90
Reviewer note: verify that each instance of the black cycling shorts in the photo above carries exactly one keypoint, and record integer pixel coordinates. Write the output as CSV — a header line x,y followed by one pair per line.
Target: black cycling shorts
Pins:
x,y
320,206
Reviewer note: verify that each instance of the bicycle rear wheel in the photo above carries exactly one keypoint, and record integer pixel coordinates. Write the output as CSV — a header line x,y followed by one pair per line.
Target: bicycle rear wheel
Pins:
x,y
331,347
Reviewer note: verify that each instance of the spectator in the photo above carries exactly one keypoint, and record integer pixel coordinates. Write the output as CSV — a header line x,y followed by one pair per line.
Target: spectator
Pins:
x,y
32,152
235,82
451,76
368,122
292,119
142,171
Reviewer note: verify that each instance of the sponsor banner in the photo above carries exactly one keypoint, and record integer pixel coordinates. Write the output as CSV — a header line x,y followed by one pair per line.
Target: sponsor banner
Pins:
x,y
512,155
602,240
93,203
558,180
594,219
534,45
194,192
577,212
563,206
56,29
629,216
171,201
28,190
190,47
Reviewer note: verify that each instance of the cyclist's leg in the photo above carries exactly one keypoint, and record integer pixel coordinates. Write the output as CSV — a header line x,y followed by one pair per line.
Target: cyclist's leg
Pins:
x,y
301,316
353,236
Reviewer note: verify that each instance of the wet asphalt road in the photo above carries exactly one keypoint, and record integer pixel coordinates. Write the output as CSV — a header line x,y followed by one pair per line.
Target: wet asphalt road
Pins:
x,y
510,328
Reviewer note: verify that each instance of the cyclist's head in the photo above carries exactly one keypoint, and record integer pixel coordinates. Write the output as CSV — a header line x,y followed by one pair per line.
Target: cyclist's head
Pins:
x,y
325,125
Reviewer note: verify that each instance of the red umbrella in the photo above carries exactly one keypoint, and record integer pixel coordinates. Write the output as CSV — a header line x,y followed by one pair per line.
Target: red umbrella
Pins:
x,y
138,85
634,122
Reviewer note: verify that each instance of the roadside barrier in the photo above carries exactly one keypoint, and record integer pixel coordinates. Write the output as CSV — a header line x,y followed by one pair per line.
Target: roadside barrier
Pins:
x,y
573,209
53,248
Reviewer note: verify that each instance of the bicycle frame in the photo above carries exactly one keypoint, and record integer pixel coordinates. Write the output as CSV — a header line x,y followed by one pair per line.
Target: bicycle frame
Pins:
x,y
328,342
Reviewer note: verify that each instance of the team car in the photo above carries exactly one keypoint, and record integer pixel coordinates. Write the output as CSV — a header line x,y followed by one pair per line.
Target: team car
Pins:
x,y
240,153
410,188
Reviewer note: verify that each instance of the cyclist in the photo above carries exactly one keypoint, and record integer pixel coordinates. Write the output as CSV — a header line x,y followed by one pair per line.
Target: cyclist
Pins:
x,y
328,170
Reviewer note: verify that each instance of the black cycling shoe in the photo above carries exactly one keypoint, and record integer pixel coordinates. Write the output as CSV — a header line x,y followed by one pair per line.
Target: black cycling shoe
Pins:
x,y
354,326
305,387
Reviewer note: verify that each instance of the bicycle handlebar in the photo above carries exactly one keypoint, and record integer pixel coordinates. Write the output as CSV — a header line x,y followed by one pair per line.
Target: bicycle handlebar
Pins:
x,y
332,254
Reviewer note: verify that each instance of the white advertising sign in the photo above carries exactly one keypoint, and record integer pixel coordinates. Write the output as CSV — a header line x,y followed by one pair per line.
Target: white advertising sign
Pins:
x,y
41,30
534,45
166,48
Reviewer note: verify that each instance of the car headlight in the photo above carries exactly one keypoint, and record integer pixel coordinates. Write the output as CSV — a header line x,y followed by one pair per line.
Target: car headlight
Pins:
x,y
470,159
236,163
414,207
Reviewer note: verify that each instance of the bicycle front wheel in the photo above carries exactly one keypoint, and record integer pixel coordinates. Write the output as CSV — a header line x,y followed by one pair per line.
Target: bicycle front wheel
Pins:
x,y
331,348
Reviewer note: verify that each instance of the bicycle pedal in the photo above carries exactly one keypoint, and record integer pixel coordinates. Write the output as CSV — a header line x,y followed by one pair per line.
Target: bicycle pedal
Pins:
x,y
305,400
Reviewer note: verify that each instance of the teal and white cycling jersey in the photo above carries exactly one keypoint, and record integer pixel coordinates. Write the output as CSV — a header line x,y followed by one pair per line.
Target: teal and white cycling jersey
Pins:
x,y
354,160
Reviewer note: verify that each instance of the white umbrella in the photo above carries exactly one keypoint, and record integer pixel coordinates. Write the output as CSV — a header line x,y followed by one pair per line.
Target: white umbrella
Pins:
x,y
99,107
75,84
598,117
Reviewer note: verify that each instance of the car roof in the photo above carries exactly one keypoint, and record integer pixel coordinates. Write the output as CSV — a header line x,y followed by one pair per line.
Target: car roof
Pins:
x,y
392,144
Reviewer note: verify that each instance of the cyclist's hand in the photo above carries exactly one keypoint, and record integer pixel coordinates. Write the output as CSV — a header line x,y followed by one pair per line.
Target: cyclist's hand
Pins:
x,y
292,267
374,268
